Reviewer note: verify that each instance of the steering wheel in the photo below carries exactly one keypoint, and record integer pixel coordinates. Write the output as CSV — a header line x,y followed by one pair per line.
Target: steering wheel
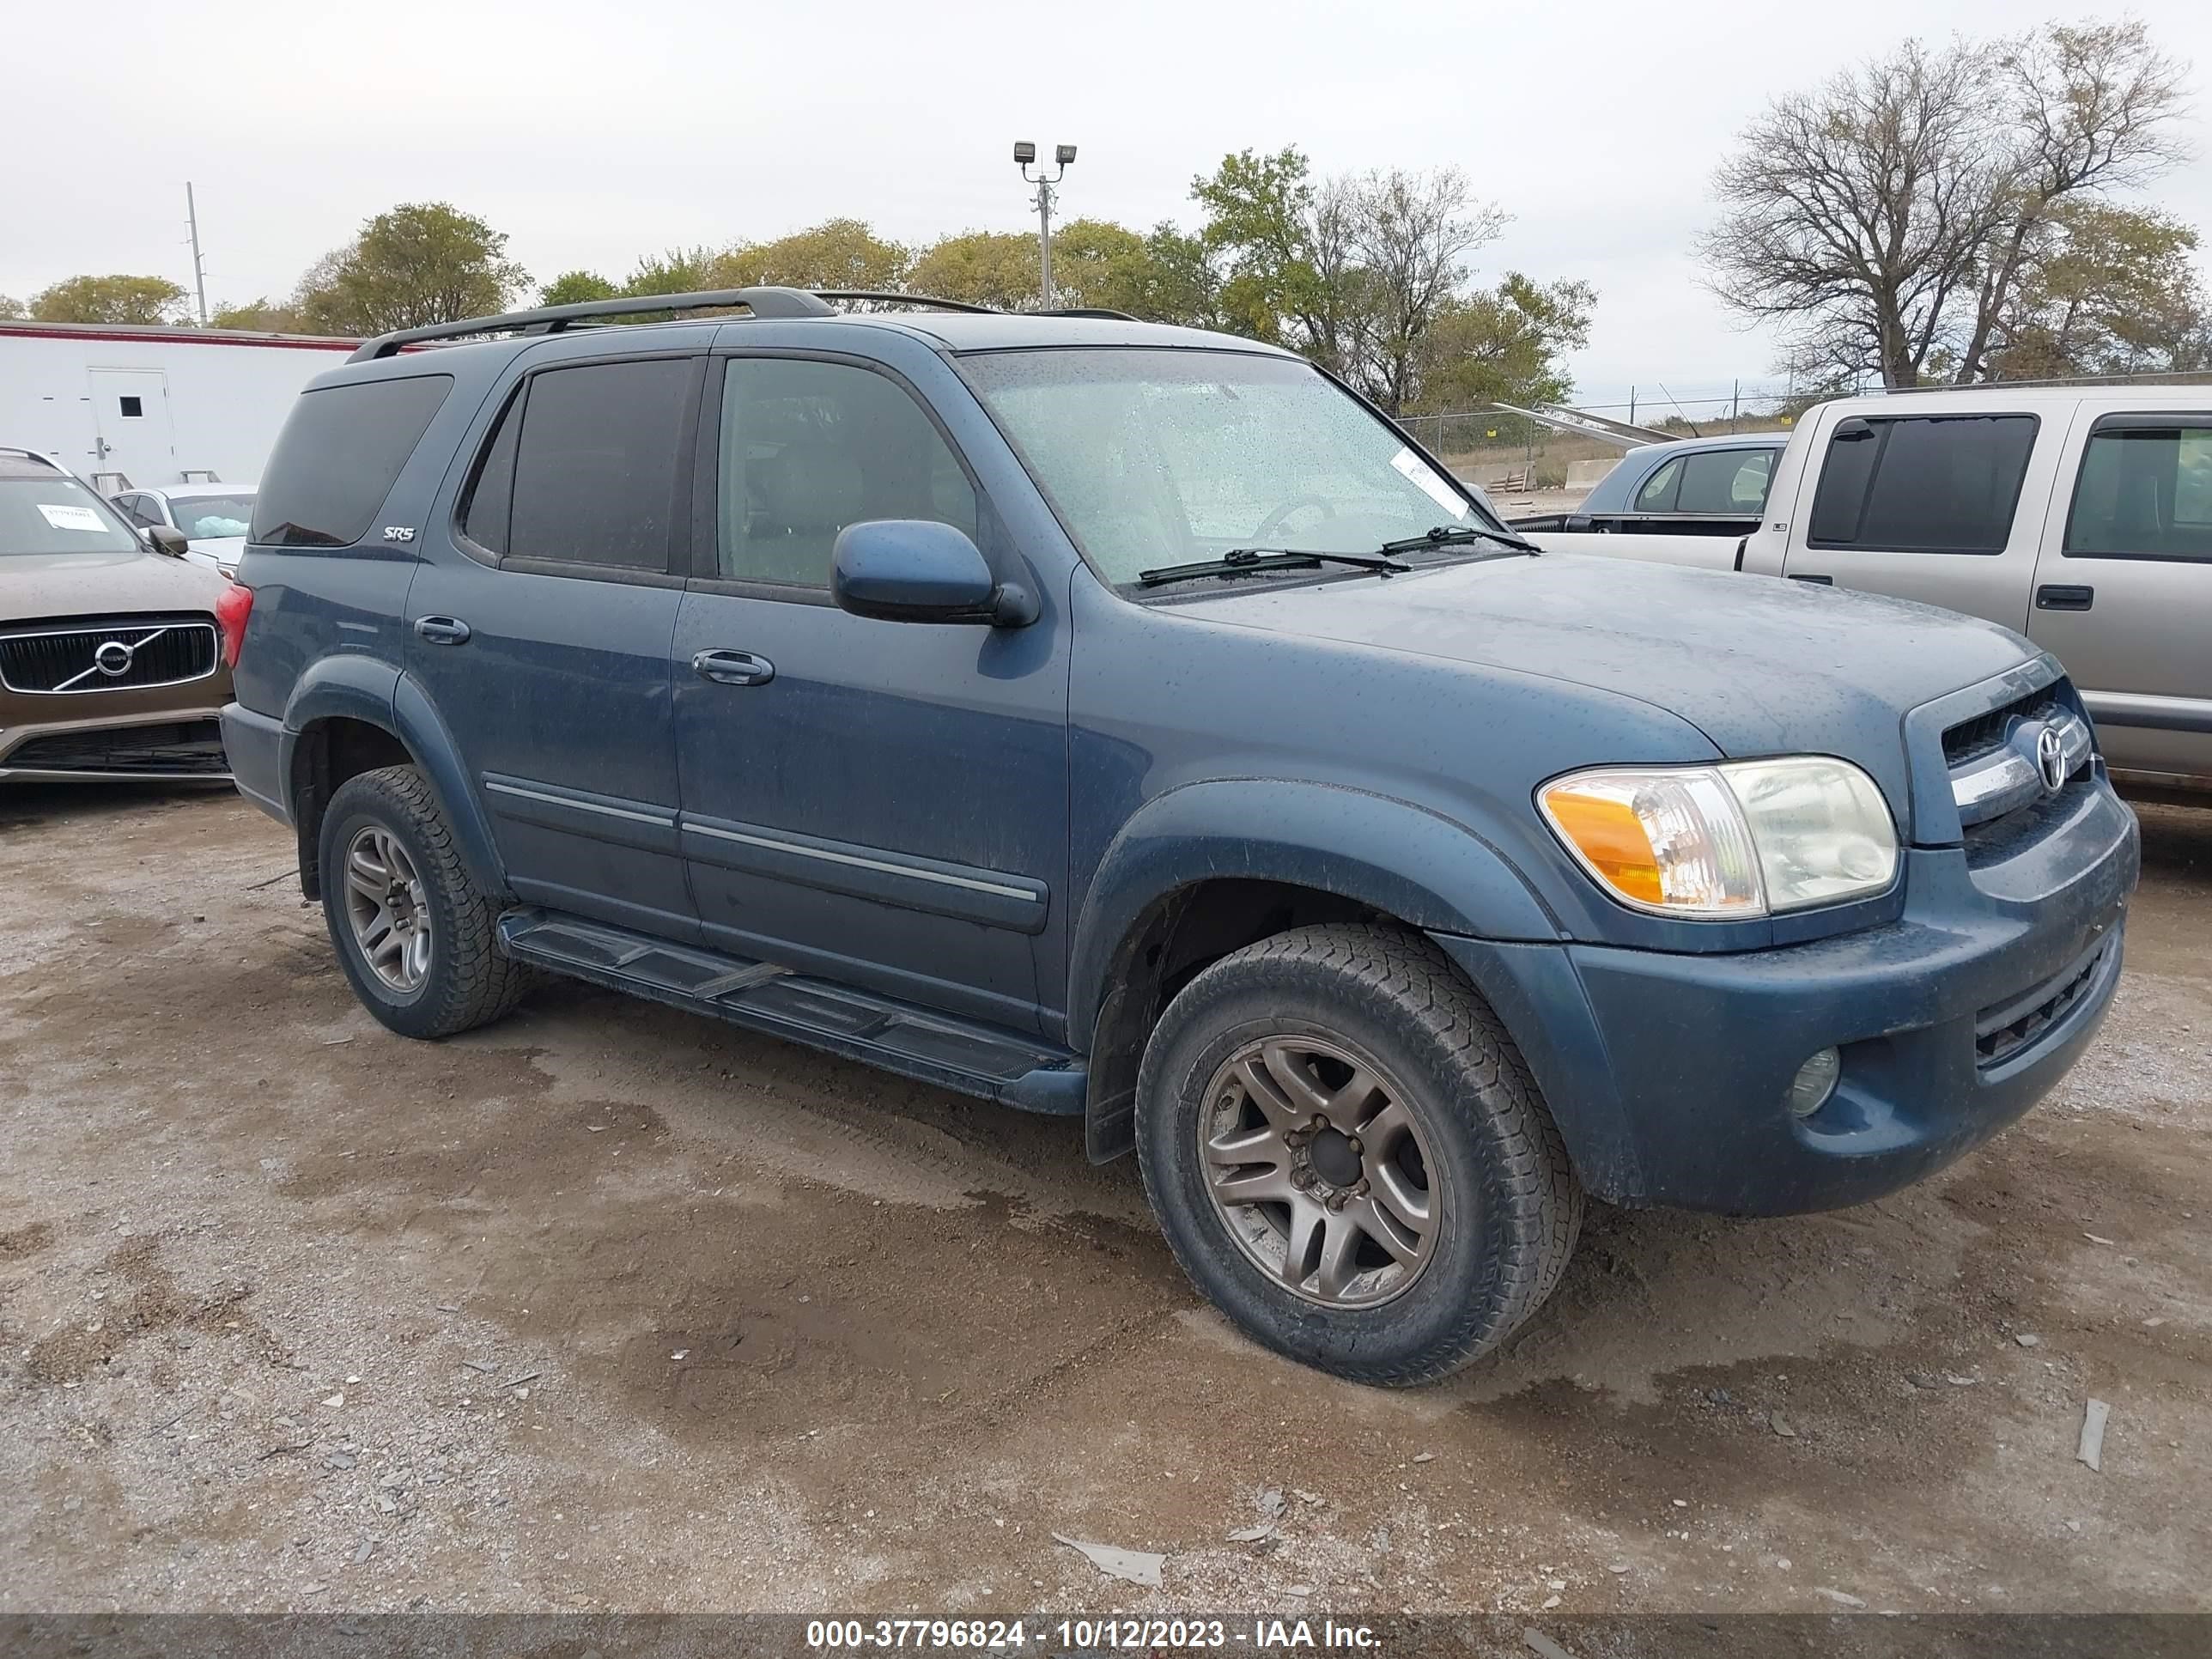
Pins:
x,y
1274,521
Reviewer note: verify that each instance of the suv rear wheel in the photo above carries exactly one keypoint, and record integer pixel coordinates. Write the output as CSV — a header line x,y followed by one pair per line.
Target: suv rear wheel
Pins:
x,y
418,942
1349,1158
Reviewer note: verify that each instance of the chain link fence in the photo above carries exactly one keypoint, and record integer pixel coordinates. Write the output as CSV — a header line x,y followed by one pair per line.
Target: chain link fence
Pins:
x,y
1509,454
1513,457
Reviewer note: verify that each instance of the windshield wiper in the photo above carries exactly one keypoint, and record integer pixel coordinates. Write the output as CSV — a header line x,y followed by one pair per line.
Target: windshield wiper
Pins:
x,y
1449,535
1240,560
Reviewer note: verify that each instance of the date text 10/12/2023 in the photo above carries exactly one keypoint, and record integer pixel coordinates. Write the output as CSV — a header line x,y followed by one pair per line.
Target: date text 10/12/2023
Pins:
x,y
1257,1635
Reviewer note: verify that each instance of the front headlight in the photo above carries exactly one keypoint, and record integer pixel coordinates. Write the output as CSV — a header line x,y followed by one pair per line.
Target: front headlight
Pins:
x,y
1751,838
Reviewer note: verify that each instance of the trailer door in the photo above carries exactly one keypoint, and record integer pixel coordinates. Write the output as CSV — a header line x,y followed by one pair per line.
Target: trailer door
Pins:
x,y
131,433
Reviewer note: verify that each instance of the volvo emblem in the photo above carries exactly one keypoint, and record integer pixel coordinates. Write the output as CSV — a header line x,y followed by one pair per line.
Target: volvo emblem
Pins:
x,y
112,658
2050,759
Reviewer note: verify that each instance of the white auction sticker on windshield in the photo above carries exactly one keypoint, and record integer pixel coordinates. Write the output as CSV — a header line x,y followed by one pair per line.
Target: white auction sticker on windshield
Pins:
x,y
1422,477
72,518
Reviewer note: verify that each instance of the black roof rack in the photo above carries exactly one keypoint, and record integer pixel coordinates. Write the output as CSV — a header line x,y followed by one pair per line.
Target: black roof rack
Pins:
x,y
930,301
933,303
552,319
763,301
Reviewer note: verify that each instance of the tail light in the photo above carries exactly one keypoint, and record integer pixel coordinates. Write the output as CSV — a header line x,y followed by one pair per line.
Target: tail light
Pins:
x,y
231,612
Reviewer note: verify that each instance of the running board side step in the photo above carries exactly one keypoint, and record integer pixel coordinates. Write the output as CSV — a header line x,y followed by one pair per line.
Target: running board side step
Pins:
x,y
1016,1070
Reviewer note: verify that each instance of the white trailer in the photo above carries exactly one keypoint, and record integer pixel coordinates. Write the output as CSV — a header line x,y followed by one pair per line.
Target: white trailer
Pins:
x,y
124,406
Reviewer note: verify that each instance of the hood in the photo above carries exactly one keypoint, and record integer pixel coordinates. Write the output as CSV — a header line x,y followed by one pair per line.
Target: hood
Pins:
x,y
36,586
1760,664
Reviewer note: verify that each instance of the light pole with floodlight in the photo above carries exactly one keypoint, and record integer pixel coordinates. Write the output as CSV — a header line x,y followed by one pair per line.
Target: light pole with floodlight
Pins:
x,y
1025,156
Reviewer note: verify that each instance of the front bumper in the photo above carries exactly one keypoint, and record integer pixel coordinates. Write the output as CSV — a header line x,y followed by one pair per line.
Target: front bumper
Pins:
x,y
1666,1072
169,746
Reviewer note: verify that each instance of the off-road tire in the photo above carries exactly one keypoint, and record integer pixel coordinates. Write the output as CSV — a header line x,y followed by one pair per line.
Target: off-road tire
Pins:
x,y
1393,997
469,982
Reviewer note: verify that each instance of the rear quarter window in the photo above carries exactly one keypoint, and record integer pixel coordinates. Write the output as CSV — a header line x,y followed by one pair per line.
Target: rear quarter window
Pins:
x,y
337,458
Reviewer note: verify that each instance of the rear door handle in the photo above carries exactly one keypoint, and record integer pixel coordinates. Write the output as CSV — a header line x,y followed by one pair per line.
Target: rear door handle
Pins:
x,y
2064,596
733,667
1817,581
442,630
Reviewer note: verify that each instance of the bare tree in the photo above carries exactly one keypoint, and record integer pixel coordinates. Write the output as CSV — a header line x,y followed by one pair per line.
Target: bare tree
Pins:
x,y
1854,213
1410,235
1883,217
1368,274
2092,110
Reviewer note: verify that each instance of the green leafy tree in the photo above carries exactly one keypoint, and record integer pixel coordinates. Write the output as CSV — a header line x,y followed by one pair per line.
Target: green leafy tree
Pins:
x,y
838,253
1503,344
2104,290
679,270
1163,277
573,288
1367,274
1283,244
11,308
983,267
418,263
261,316
111,300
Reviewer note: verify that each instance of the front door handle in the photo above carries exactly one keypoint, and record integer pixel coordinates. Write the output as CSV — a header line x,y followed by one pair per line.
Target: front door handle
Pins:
x,y
2064,596
733,667
1817,581
442,630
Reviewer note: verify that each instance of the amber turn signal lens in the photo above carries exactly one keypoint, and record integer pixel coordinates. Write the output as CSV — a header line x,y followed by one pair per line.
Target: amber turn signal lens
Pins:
x,y
1608,833
1669,840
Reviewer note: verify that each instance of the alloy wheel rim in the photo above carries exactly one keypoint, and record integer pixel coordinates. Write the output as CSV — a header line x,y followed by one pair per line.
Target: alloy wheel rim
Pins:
x,y
1320,1170
388,909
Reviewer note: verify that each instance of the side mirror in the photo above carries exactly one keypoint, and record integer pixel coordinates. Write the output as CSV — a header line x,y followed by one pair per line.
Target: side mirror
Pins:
x,y
168,538
918,570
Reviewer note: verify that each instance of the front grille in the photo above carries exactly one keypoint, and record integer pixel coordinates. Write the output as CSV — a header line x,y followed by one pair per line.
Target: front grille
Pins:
x,y
189,748
1995,760
127,653
1974,738
2010,1029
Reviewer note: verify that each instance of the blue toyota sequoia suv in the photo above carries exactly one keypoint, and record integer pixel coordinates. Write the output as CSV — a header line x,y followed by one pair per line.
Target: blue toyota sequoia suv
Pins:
x,y
1132,723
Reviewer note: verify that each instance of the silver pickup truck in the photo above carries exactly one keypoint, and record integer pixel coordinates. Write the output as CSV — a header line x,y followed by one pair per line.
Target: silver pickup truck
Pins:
x,y
2081,516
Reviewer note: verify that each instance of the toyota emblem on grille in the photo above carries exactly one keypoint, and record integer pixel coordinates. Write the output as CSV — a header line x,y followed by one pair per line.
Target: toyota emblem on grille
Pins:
x,y
113,658
2051,759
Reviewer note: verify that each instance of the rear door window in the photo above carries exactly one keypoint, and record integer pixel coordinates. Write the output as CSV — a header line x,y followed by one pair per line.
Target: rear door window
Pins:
x,y
1720,483
337,458
2144,491
1926,483
596,465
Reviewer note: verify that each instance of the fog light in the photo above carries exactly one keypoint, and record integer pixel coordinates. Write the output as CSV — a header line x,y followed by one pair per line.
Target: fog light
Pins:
x,y
1815,1082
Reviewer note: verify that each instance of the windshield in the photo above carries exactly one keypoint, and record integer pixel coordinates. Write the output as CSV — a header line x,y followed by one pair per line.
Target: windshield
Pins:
x,y
1157,457
201,516
43,511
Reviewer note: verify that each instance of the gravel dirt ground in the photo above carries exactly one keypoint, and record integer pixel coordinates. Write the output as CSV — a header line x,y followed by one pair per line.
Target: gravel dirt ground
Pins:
x,y
610,1307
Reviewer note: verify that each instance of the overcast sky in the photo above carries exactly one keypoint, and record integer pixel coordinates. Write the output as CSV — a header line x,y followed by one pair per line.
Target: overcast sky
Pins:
x,y
591,140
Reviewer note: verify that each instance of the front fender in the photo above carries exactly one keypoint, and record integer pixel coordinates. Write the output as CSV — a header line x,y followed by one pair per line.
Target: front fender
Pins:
x,y
1428,870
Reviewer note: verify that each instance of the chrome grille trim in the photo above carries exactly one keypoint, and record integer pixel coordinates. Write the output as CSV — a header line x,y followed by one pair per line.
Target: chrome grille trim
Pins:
x,y
196,635
2002,780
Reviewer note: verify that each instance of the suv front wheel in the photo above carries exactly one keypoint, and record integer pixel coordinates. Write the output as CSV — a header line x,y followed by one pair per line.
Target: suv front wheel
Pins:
x,y
1349,1156
418,942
